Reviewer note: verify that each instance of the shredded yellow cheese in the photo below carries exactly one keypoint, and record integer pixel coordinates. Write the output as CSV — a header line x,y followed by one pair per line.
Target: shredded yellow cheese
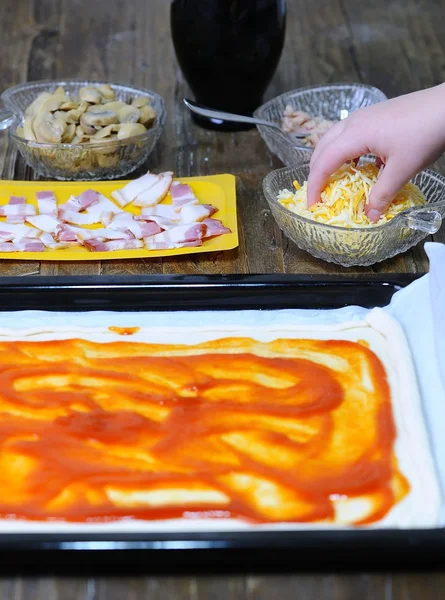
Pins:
x,y
345,196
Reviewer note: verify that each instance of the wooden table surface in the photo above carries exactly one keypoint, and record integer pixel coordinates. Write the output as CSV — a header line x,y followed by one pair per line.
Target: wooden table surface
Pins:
x,y
396,45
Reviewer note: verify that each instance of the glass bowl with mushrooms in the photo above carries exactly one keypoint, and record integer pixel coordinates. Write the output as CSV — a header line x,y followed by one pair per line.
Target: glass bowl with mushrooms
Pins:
x,y
84,130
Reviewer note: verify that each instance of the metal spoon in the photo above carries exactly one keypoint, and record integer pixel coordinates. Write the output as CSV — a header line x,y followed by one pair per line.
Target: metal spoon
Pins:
x,y
224,116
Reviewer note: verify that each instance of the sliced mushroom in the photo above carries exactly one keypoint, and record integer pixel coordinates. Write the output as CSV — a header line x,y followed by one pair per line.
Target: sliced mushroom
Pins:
x,y
140,101
95,140
28,131
70,105
73,116
105,132
90,94
115,105
37,104
48,129
129,114
52,104
148,116
69,133
98,118
106,92
60,93
81,135
128,130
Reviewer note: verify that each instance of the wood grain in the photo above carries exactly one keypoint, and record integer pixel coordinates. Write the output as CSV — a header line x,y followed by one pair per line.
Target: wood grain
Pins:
x,y
397,45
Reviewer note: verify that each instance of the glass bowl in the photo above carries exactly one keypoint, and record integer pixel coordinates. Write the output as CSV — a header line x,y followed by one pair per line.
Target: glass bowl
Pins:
x,y
357,246
333,101
108,160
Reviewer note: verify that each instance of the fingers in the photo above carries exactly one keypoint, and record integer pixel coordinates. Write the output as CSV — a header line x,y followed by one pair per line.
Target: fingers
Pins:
x,y
392,178
328,137
338,151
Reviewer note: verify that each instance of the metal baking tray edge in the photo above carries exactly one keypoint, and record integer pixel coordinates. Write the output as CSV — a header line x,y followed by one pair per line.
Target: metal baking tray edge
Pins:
x,y
216,552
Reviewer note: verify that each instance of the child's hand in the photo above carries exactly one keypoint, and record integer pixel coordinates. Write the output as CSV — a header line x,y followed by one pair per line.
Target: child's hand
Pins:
x,y
406,133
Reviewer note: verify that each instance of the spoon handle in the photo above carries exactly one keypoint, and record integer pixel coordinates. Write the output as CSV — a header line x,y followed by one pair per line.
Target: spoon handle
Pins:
x,y
225,116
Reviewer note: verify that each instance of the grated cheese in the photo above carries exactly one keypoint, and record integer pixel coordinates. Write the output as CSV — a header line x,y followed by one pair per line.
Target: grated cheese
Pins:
x,y
345,196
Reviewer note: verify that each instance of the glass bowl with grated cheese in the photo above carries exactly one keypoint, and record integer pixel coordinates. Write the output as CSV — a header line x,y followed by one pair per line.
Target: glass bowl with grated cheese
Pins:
x,y
337,229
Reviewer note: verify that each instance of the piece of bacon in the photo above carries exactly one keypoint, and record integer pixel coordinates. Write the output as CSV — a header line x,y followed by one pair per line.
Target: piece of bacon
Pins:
x,y
154,194
103,234
182,233
65,233
46,223
49,242
160,221
16,210
192,213
140,229
6,236
166,211
182,195
215,227
14,200
17,231
47,203
170,245
91,215
130,192
98,246
23,245
81,202
16,218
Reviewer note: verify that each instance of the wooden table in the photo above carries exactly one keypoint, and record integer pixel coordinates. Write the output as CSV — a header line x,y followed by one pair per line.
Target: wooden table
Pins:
x,y
396,45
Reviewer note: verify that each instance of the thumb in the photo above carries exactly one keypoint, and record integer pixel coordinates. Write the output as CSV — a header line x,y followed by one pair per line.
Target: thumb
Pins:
x,y
392,178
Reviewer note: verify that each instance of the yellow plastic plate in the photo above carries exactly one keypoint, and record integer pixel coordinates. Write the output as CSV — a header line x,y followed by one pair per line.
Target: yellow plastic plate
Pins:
x,y
218,190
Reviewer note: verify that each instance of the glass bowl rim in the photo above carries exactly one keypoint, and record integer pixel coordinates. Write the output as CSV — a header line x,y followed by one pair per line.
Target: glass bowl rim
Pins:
x,y
157,127
371,229
259,112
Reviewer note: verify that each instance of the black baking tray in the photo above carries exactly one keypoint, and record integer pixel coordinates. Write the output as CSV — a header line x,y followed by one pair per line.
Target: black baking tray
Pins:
x,y
211,551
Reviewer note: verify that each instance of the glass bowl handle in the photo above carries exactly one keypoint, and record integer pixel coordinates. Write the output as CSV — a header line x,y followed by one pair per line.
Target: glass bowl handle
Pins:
x,y
7,118
424,219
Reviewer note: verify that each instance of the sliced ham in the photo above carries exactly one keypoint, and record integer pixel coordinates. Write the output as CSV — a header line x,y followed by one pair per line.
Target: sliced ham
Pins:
x,y
215,227
182,195
47,203
155,193
150,245
182,233
98,246
130,192
46,223
191,213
